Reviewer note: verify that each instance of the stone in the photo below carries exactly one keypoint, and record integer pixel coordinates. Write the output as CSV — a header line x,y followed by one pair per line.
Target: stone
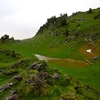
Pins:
x,y
86,40
12,96
5,87
53,33
90,40
95,57
2,72
60,99
43,75
18,78
56,76
36,82
38,66
89,51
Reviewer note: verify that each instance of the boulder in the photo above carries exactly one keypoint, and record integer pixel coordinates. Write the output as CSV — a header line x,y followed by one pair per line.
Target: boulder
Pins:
x,y
12,96
56,76
5,87
18,78
38,66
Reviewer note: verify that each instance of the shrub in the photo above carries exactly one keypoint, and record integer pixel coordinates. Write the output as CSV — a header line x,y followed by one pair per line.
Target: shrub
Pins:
x,y
63,22
66,32
13,54
90,11
52,19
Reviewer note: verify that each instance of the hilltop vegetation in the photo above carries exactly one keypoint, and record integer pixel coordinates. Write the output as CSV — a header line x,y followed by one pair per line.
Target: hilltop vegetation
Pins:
x,y
24,77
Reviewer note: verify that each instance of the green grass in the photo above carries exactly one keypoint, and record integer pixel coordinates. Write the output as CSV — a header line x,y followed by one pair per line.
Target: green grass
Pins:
x,y
49,45
89,75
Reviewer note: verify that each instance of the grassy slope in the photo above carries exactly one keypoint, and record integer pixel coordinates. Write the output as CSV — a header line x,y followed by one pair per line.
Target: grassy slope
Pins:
x,y
54,46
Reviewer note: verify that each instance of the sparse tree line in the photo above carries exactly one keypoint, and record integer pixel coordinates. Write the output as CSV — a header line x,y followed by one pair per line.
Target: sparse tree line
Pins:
x,y
54,22
61,21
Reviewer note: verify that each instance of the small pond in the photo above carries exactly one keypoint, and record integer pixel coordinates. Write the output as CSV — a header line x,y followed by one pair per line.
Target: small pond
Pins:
x,y
64,62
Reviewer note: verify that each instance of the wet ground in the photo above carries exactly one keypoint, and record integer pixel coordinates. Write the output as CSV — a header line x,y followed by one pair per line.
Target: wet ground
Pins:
x,y
64,62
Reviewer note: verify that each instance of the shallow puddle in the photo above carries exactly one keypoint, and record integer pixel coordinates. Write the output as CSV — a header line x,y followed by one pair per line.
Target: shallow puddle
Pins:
x,y
64,62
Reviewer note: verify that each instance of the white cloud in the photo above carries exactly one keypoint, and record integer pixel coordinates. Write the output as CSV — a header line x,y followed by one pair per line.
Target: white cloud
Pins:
x,y
22,18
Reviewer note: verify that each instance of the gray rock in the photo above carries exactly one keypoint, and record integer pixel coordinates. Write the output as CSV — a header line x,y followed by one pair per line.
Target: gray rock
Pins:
x,y
56,76
5,87
53,33
36,82
95,57
90,40
60,99
12,96
38,66
18,78
2,72
43,75
86,40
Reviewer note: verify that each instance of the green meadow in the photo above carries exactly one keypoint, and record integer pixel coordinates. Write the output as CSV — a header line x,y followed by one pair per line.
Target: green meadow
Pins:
x,y
56,39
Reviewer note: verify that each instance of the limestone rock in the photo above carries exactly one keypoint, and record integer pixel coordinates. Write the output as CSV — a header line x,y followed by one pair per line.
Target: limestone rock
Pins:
x,y
56,76
5,87
12,96
38,66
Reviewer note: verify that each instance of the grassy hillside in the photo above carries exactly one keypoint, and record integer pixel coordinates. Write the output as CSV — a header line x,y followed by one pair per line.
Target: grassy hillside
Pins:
x,y
66,37
83,34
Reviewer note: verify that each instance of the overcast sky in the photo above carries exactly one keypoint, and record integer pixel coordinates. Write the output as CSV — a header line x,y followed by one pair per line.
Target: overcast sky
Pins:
x,y
22,18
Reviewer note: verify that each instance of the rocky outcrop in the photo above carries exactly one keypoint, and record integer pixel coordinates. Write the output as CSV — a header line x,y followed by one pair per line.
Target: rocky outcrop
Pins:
x,y
43,75
36,82
40,66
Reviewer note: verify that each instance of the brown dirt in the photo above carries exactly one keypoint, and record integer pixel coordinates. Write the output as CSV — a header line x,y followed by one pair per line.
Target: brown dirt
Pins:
x,y
95,50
